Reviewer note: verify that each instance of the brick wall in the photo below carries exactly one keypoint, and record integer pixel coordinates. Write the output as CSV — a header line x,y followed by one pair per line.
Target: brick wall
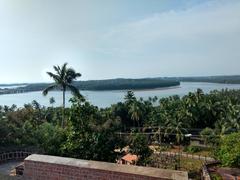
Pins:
x,y
40,167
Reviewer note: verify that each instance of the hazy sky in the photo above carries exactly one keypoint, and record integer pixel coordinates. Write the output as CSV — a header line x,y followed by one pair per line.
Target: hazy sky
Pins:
x,y
119,38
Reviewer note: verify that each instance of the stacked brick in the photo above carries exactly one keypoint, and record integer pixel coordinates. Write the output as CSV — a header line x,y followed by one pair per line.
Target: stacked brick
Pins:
x,y
37,170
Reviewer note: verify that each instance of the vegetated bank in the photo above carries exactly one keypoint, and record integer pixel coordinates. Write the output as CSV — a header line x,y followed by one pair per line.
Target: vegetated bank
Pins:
x,y
100,85
234,79
127,84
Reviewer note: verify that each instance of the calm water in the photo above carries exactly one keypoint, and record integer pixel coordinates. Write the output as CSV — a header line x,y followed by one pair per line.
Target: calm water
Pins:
x,y
11,87
106,98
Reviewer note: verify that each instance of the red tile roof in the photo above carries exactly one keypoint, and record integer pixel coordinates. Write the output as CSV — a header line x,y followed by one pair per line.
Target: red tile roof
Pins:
x,y
130,158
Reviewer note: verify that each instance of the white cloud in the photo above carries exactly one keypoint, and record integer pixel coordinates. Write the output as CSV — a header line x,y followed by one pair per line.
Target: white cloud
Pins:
x,y
206,22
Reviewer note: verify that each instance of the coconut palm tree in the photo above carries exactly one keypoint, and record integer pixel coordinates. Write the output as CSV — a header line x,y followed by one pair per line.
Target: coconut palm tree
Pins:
x,y
129,98
176,128
135,112
52,100
63,79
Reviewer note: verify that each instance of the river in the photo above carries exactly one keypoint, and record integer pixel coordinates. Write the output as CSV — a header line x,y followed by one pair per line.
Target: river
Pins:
x,y
106,98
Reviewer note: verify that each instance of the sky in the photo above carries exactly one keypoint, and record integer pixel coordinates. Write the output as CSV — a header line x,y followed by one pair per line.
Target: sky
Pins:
x,y
119,38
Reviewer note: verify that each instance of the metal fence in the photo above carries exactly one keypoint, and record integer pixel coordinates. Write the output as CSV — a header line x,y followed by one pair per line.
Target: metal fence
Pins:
x,y
15,155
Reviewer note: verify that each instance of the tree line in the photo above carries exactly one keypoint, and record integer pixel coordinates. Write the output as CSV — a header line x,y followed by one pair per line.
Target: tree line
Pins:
x,y
211,116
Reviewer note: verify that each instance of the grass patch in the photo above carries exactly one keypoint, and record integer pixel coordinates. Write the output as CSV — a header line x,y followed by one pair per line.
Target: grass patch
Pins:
x,y
215,176
206,153
188,164
192,149
193,167
201,151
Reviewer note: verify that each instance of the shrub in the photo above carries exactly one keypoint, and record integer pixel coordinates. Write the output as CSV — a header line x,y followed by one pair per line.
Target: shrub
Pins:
x,y
229,150
209,137
139,146
192,149
164,148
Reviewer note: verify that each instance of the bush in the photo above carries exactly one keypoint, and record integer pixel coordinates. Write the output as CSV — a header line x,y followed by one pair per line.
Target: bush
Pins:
x,y
139,146
192,149
50,138
229,150
209,137
164,148
193,174
216,177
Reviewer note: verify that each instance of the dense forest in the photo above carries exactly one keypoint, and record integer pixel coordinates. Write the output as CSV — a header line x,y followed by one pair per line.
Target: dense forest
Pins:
x,y
210,116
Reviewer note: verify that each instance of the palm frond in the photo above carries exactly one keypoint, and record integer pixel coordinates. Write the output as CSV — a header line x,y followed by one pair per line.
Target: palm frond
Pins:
x,y
57,69
45,91
63,71
78,75
55,77
75,91
71,75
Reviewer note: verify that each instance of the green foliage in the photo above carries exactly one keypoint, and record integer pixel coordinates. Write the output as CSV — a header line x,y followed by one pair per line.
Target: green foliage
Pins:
x,y
229,150
89,138
50,138
192,149
213,79
29,137
139,146
63,79
215,176
52,100
111,84
4,131
209,137
163,148
91,133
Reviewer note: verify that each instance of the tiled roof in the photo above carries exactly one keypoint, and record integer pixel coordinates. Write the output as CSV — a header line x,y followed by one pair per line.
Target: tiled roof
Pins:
x,y
130,158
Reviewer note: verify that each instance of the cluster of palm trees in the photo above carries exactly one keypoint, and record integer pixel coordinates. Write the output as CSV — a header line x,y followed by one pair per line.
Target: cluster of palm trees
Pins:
x,y
178,117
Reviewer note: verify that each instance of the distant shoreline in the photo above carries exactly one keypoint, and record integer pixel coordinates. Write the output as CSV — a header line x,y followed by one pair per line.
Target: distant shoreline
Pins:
x,y
117,90
121,84
17,91
163,88
138,90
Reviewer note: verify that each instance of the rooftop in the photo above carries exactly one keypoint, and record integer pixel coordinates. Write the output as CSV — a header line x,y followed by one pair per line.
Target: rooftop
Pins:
x,y
130,158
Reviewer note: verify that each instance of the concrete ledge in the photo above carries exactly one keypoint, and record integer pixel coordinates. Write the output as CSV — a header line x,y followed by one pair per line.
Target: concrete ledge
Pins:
x,y
32,168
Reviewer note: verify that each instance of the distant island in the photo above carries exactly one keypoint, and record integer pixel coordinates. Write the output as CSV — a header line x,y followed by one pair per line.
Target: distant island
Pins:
x,y
101,85
123,84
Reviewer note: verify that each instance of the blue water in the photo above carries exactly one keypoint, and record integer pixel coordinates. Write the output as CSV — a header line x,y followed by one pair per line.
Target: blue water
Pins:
x,y
106,98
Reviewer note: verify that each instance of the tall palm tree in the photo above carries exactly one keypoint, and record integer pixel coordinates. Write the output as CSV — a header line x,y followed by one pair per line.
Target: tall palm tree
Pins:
x,y
52,101
135,113
63,79
130,98
176,128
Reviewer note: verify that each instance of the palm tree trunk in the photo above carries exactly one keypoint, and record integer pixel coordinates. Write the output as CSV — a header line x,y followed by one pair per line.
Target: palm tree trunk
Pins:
x,y
139,129
63,110
159,136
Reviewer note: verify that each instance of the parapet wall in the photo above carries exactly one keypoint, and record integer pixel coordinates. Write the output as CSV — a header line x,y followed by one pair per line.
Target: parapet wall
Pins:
x,y
41,167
